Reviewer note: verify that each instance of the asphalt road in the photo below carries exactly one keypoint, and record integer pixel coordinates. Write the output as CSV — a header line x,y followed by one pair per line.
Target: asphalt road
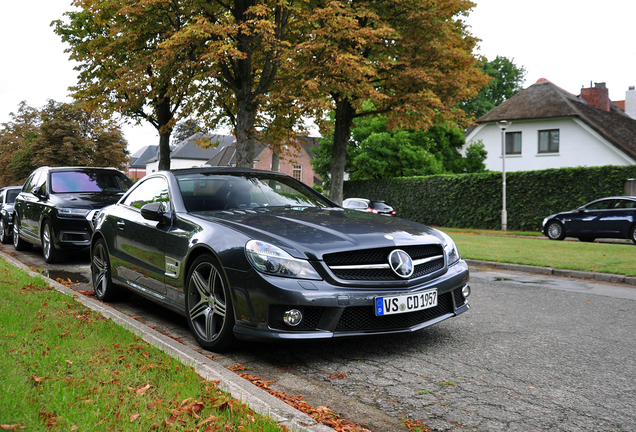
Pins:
x,y
534,353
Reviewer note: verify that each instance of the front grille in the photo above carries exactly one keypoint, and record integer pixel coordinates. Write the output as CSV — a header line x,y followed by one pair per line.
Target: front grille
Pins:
x,y
363,318
381,256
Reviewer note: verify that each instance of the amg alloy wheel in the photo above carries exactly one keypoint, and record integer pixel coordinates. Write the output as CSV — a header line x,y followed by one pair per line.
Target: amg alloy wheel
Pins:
x,y
103,285
208,305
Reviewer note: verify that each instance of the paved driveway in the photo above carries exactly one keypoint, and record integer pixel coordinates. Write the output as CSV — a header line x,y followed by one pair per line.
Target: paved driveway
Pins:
x,y
534,353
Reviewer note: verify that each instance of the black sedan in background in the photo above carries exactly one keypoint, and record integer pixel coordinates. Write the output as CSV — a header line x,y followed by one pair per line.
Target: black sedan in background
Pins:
x,y
7,198
257,255
56,207
611,217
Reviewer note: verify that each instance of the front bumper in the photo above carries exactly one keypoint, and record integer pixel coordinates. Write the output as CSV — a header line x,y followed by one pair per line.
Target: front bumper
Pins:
x,y
72,233
335,311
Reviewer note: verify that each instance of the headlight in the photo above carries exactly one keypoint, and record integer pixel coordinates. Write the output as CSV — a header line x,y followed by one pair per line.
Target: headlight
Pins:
x,y
450,250
72,212
272,260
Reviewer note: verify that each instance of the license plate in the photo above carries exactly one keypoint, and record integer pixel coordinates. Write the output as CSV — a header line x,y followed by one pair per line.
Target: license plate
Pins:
x,y
405,303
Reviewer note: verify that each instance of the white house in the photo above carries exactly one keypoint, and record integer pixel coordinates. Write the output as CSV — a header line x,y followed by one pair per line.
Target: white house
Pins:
x,y
552,128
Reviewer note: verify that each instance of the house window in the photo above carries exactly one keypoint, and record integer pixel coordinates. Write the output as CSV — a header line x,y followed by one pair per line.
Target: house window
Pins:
x,y
513,143
298,172
549,141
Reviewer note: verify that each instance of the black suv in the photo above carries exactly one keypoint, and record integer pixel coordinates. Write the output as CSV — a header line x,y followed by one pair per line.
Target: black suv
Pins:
x,y
56,207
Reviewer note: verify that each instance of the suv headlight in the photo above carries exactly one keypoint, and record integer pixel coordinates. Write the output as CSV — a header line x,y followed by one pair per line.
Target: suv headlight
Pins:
x,y
450,249
72,212
272,260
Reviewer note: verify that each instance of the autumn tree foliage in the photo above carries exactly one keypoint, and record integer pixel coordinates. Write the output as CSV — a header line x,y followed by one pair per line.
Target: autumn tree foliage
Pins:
x,y
245,42
411,59
124,66
59,134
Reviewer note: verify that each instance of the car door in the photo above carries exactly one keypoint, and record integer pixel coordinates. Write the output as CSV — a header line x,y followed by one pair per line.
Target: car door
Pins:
x,y
591,219
32,206
618,220
138,250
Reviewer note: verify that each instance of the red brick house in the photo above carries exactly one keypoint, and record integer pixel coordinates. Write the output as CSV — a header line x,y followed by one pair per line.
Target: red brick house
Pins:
x,y
296,162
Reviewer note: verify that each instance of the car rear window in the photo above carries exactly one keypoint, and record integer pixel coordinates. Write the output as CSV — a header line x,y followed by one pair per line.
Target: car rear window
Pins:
x,y
88,182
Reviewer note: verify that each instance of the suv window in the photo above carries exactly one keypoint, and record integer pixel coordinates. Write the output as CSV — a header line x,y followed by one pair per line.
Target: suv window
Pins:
x,y
87,182
11,194
34,181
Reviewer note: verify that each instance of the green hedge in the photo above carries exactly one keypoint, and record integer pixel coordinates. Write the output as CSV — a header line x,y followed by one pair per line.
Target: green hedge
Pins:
x,y
475,200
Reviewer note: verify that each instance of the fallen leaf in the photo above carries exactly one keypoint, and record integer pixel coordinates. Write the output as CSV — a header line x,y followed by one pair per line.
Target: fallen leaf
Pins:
x,y
12,427
337,375
134,417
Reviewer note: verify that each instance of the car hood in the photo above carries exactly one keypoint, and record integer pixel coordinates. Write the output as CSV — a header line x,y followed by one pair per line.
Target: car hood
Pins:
x,y
85,200
315,232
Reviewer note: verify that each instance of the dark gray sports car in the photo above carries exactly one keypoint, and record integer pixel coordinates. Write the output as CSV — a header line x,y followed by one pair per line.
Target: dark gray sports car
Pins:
x,y
252,255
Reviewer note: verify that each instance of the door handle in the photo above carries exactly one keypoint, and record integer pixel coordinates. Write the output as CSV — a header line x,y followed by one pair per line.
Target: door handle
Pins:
x,y
121,224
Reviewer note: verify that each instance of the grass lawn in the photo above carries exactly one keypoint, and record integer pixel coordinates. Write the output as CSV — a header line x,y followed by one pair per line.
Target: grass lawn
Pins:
x,y
571,255
65,367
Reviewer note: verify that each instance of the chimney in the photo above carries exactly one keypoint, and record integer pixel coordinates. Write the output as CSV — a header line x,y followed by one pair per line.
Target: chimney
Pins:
x,y
630,102
597,96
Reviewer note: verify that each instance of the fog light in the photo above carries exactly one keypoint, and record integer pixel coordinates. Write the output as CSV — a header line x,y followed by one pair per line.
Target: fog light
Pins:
x,y
292,317
466,291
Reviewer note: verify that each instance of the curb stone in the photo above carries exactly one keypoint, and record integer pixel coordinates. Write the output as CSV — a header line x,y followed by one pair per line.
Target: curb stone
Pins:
x,y
257,399
603,277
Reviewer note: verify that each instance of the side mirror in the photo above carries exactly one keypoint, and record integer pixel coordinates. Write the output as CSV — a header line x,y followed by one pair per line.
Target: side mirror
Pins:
x,y
155,211
581,209
37,191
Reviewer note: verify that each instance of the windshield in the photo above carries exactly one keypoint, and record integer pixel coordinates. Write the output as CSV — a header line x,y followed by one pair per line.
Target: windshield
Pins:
x,y
89,182
217,192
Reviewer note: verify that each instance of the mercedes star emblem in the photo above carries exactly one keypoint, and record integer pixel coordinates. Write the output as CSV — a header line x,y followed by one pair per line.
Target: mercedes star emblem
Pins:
x,y
401,263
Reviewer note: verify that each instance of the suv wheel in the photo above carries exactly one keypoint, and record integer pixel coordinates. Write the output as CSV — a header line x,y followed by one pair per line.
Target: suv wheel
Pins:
x,y
4,234
18,243
51,255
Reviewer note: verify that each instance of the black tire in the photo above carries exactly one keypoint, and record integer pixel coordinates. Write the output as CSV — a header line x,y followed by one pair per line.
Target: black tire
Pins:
x,y
632,234
103,285
209,309
555,230
18,243
587,239
51,255
5,236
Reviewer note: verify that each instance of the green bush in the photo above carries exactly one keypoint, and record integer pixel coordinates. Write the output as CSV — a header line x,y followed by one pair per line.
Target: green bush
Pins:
x,y
475,200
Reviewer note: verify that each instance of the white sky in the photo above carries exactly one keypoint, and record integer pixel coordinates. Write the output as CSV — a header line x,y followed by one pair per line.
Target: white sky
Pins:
x,y
570,42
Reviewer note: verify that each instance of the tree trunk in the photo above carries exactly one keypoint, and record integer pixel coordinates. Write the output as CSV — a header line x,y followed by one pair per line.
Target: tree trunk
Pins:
x,y
164,116
345,113
245,117
275,161
164,151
